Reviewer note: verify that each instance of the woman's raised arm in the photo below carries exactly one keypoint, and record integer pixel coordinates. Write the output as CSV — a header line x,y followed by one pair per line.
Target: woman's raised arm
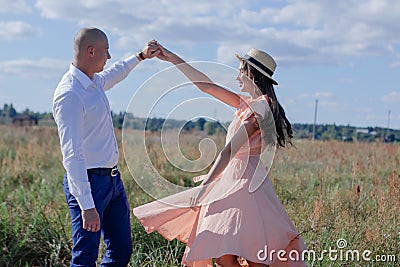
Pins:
x,y
202,81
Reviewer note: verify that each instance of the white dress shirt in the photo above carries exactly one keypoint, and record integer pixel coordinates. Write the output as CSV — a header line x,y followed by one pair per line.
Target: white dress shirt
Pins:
x,y
85,128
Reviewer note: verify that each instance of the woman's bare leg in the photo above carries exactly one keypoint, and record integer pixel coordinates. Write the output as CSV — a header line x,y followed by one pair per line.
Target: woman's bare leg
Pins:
x,y
253,264
227,261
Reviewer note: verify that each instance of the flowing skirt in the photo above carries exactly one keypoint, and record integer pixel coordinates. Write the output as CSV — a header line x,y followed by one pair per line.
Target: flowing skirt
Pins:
x,y
231,220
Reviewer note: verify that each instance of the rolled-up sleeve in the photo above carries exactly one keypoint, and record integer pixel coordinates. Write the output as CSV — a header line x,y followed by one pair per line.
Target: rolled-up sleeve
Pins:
x,y
68,111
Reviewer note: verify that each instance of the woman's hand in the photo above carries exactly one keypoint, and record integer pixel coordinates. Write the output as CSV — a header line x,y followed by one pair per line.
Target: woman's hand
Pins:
x,y
167,55
194,201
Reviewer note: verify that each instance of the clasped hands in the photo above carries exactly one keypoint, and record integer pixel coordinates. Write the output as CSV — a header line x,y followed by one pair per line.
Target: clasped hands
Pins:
x,y
154,49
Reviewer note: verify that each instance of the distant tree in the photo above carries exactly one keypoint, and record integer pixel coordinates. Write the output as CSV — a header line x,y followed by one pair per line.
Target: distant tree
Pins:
x,y
347,133
189,126
200,124
12,112
137,123
8,111
5,110
120,120
154,124
302,134
209,127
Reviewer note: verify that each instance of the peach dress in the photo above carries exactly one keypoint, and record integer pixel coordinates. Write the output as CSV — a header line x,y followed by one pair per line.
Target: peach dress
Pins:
x,y
233,218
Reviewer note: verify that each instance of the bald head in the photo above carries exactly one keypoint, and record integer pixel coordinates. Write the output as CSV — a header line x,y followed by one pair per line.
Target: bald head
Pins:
x,y
90,51
88,37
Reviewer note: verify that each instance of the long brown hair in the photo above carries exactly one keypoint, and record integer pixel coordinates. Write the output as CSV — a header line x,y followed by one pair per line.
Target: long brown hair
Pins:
x,y
284,132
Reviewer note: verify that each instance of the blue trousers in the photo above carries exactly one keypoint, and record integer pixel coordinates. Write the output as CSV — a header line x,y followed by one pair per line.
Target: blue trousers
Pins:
x,y
112,205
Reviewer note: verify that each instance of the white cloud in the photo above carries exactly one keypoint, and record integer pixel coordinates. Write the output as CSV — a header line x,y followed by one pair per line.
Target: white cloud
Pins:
x,y
392,97
15,7
43,68
17,29
296,32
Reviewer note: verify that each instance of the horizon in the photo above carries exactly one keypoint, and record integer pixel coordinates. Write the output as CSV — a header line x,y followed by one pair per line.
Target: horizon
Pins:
x,y
223,122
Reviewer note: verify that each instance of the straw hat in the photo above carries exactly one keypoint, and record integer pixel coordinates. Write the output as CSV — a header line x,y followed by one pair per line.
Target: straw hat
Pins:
x,y
261,61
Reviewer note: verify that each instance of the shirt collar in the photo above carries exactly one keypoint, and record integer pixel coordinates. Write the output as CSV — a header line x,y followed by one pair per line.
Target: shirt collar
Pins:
x,y
86,82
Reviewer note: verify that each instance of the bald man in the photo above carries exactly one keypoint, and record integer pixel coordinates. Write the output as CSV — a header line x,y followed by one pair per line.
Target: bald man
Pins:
x,y
92,184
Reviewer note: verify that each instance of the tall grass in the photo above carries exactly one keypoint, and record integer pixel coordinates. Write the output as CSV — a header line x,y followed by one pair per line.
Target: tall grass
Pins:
x,y
335,190
331,190
33,220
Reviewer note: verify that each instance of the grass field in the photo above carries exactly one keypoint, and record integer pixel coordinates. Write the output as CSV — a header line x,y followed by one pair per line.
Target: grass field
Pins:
x,y
331,190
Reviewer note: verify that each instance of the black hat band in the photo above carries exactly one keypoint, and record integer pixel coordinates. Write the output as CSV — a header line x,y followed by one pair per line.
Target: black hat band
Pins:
x,y
258,64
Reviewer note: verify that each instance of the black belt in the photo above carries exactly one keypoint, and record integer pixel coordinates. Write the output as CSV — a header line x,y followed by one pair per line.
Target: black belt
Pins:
x,y
103,171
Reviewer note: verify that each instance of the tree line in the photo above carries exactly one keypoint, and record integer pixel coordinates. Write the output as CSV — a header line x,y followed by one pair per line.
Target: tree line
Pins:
x,y
345,133
300,130
8,112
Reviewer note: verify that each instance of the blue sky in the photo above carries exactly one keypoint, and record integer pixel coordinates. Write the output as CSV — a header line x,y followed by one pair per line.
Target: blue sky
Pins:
x,y
346,54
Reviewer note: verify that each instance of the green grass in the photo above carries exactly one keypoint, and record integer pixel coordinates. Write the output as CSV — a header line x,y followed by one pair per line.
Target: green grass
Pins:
x,y
330,190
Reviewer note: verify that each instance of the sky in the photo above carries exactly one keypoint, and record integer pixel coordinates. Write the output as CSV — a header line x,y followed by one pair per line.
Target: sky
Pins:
x,y
344,53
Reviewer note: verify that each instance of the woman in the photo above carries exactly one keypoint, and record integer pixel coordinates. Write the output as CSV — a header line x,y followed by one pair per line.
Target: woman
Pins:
x,y
231,216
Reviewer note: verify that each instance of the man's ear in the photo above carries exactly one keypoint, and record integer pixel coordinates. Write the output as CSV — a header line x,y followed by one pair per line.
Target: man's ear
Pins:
x,y
90,50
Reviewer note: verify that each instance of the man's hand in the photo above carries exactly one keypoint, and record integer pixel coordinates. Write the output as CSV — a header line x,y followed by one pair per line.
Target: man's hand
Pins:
x,y
91,220
151,49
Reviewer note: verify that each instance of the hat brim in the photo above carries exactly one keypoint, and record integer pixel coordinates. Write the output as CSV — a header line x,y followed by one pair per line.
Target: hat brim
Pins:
x,y
257,68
